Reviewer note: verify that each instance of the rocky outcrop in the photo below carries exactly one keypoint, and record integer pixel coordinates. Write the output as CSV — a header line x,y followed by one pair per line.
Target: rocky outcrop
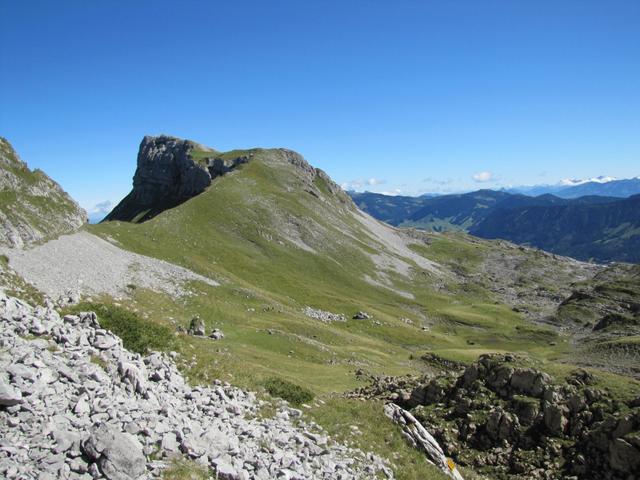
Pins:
x,y
512,421
75,404
166,175
32,206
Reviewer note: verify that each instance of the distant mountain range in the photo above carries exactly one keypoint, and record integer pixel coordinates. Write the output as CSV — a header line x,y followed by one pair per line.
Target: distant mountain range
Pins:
x,y
602,186
600,230
591,227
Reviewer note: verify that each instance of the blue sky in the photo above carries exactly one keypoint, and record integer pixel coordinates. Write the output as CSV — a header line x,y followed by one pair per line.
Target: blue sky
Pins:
x,y
411,95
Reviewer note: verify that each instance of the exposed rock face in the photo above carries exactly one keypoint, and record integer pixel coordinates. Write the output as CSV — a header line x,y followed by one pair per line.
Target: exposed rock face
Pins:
x,y
515,422
166,176
32,206
166,169
75,404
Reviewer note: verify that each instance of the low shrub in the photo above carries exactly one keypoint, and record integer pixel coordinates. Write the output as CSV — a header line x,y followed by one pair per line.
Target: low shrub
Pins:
x,y
183,469
137,334
292,393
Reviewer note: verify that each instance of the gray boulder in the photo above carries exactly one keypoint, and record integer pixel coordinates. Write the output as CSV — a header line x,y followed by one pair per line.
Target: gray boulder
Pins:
x,y
529,381
9,395
217,334
502,425
118,455
555,420
196,327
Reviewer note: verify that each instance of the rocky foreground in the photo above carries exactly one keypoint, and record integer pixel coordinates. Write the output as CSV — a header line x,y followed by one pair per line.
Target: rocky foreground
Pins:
x,y
504,418
74,404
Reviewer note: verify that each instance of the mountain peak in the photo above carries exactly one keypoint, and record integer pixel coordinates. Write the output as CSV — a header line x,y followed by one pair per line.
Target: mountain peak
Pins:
x,y
171,170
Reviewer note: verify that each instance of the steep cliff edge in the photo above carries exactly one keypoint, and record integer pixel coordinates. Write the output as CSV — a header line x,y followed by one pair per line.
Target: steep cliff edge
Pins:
x,y
32,206
166,175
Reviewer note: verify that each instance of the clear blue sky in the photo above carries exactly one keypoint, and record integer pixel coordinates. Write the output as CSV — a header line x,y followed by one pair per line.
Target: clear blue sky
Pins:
x,y
421,95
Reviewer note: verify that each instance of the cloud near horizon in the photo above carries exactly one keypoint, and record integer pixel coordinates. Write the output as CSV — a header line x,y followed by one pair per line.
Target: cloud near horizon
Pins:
x,y
481,177
438,181
359,184
392,193
102,207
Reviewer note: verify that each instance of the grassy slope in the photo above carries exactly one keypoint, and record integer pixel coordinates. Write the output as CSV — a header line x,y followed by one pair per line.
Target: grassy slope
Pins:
x,y
230,233
237,233
22,207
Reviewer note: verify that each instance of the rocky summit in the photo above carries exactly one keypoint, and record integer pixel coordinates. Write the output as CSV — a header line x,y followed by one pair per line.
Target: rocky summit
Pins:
x,y
171,170
74,404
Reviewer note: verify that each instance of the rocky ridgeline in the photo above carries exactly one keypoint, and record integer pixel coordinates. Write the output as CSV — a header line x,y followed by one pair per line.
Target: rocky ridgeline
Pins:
x,y
33,206
75,404
168,174
514,422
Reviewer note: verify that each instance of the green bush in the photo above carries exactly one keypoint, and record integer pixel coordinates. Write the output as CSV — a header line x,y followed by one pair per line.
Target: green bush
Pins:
x,y
182,469
137,334
292,393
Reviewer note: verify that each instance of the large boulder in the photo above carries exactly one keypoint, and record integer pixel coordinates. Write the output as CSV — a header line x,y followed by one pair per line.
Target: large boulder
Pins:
x,y
529,381
555,419
502,425
9,395
623,456
196,327
118,455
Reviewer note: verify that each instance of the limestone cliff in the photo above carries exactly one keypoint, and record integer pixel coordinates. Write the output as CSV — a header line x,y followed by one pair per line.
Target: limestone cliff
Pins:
x,y
166,176
32,206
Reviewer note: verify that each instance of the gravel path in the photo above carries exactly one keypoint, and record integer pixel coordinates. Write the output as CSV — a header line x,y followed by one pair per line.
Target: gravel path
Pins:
x,y
87,264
